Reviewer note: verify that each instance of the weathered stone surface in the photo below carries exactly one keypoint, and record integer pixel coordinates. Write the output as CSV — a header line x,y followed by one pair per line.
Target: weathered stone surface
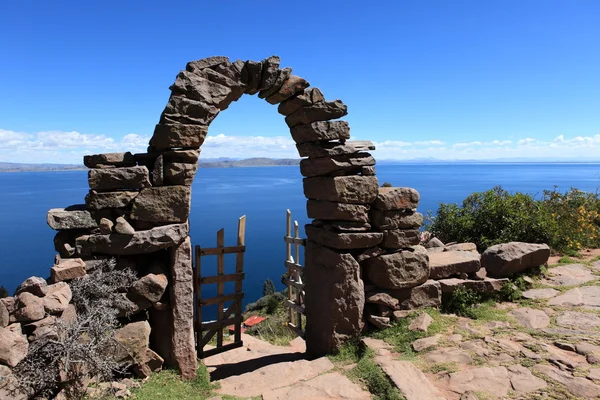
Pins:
x,y
158,171
232,70
494,381
139,243
177,173
569,275
332,385
531,318
321,130
540,293
162,204
578,320
147,363
134,339
421,323
181,110
64,242
586,296
29,307
74,217
504,260
9,303
396,198
102,200
429,294
43,328
384,299
486,285
434,242
209,62
479,275
251,76
324,111
188,156
119,178
451,263
290,87
523,381
151,286
462,247
326,210
334,307
114,159
304,99
328,149
270,72
198,86
236,87
342,240
69,268
128,304
342,226
367,171
336,165
13,347
169,136
396,219
448,355
400,238
4,315
342,189
404,269
426,342
58,297
106,226
182,305
35,285
413,384
378,322
577,386
123,227
282,76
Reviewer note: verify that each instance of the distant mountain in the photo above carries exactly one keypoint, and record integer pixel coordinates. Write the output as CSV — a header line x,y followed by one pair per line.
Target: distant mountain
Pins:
x,y
19,167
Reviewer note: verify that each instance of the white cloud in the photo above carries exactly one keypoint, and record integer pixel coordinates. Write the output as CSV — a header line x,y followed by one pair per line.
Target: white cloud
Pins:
x,y
69,147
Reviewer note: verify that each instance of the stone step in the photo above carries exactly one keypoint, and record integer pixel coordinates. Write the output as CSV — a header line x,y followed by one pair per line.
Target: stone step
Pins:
x,y
332,385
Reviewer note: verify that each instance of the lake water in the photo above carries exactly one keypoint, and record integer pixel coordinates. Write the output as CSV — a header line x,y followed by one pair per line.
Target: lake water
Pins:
x,y
221,196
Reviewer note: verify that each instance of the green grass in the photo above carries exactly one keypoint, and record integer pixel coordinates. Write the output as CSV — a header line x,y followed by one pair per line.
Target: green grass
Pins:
x,y
442,367
566,260
487,311
371,375
168,385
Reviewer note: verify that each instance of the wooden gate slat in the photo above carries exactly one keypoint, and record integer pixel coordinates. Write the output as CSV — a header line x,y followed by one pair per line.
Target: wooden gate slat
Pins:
x,y
207,280
239,268
220,285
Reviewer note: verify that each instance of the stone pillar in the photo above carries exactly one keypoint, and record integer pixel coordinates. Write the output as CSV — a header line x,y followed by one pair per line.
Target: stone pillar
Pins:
x,y
182,306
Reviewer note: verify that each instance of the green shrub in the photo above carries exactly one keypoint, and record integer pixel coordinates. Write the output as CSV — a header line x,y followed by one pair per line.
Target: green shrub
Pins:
x,y
268,288
3,292
567,222
461,302
386,184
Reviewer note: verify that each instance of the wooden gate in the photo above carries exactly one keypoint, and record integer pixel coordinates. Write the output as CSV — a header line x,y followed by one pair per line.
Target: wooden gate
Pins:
x,y
295,287
231,315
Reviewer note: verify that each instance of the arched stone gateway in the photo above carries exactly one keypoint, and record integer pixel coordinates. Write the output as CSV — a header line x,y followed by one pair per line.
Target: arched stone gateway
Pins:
x,y
139,204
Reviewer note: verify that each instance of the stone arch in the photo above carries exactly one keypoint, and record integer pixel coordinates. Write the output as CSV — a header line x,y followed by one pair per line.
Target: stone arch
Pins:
x,y
358,229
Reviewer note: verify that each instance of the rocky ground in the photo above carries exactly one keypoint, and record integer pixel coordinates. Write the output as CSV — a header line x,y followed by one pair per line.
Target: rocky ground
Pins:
x,y
544,346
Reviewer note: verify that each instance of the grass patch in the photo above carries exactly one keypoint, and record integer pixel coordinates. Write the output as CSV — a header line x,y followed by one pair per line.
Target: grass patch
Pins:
x,y
442,367
487,311
349,353
400,337
168,385
369,373
565,260
273,330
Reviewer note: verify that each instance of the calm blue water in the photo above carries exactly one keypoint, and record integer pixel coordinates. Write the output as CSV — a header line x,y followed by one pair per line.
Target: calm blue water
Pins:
x,y
221,196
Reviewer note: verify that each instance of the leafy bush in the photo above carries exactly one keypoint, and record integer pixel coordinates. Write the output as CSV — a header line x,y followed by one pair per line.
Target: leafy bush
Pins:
x,y
386,184
3,292
461,302
268,288
567,222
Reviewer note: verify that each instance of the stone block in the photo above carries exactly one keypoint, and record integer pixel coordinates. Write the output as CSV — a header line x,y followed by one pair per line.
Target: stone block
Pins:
x,y
290,87
178,173
68,269
429,294
304,99
73,217
181,110
35,285
328,149
395,219
119,178
338,165
29,307
321,130
326,210
448,263
162,204
396,198
58,297
174,136
104,200
282,76
13,348
251,76
400,270
342,240
324,111
198,86
504,260
182,156
342,189
400,238
208,62
486,285
113,159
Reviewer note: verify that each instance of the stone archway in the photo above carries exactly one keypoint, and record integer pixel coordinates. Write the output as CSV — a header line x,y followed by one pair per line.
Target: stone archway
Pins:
x,y
148,198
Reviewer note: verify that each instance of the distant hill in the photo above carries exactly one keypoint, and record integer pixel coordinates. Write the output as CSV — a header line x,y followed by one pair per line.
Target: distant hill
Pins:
x,y
19,167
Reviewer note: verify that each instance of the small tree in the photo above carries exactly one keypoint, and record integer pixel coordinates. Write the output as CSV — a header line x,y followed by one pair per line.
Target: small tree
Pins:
x,y
268,288
386,184
3,292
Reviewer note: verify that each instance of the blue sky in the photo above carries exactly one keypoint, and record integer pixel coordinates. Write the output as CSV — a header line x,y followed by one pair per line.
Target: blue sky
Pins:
x,y
462,79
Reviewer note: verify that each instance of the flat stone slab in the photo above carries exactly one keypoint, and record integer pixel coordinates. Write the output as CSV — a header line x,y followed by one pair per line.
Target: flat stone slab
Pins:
x,y
425,343
333,385
343,240
578,320
448,263
577,386
74,217
404,269
569,275
448,354
494,381
531,318
279,376
540,293
487,285
586,296
413,384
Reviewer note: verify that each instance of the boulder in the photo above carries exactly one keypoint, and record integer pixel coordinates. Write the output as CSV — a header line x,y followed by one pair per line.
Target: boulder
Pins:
x,y
119,178
462,247
179,173
326,210
400,238
4,316
35,285
103,200
162,204
334,306
486,285
29,307
134,339
106,226
208,62
307,98
9,303
188,156
342,240
74,217
531,318
396,219
140,242
123,227
198,86
69,315
68,269
270,73
317,112
146,363
434,242
251,76
184,111
404,269
448,263
504,260
382,298
158,171
337,165
112,159
282,76
43,328
429,294
169,136
321,130
378,322
367,171
58,297
293,85
128,304
421,323
342,189
396,198
13,347
151,287
328,149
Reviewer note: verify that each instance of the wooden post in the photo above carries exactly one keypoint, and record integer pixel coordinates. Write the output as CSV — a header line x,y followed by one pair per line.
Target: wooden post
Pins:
x,y
297,276
198,289
239,268
220,284
288,254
